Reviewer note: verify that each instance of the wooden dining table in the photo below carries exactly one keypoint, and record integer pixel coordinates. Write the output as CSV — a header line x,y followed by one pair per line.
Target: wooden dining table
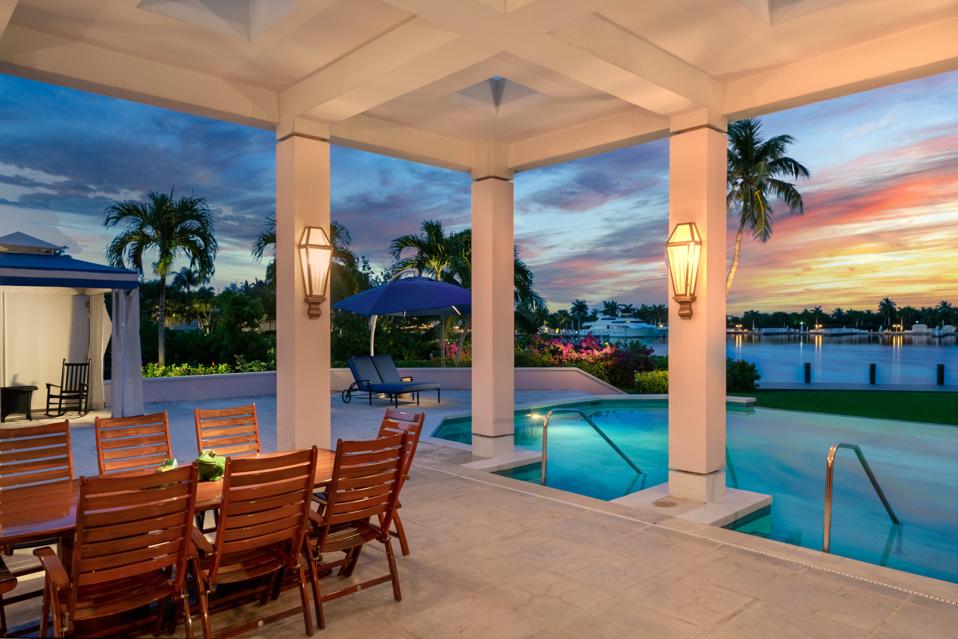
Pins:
x,y
47,511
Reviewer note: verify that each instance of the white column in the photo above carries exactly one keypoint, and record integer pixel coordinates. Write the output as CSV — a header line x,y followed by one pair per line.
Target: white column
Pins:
x,y
302,344
697,170
493,336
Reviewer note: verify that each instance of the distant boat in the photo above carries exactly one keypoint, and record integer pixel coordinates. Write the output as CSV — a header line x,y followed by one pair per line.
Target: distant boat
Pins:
x,y
837,332
622,327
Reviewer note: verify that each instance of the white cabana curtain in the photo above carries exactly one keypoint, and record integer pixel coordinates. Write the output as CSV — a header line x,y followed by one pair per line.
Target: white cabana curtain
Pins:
x,y
100,329
126,385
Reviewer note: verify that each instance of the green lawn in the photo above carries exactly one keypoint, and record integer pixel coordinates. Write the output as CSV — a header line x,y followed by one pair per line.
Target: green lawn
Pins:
x,y
936,408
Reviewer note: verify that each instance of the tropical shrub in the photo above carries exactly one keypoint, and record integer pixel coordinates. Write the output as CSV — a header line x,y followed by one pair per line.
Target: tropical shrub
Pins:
x,y
613,364
741,376
652,382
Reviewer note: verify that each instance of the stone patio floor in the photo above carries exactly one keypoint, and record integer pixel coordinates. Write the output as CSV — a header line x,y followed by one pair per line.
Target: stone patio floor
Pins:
x,y
496,558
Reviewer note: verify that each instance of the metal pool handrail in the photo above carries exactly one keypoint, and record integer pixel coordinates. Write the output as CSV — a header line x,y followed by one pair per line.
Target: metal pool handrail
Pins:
x,y
829,474
545,439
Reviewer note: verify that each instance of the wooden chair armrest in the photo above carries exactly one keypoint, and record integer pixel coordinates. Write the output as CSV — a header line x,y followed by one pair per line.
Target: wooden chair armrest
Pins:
x,y
49,386
200,542
55,571
315,518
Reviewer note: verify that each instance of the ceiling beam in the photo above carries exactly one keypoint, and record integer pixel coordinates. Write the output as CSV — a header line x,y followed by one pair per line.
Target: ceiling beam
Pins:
x,y
406,43
625,50
6,11
49,58
908,55
590,70
598,136
412,75
372,134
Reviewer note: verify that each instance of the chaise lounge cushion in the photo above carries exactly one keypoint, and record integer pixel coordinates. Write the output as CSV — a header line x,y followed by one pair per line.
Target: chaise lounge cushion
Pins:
x,y
389,374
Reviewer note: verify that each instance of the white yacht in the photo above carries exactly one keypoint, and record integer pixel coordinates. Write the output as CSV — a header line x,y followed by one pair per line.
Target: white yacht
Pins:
x,y
609,327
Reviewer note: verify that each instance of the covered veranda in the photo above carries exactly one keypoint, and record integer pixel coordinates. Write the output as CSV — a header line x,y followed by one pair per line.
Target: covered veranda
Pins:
x,y
492,88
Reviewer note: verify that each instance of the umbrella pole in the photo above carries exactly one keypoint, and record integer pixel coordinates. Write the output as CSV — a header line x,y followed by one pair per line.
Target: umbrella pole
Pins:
x,y
372,334
442,341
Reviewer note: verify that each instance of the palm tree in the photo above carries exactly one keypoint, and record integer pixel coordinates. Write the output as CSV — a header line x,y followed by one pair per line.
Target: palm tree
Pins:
x,y
818,311
170,227
610,308
434,250
186,279
756,168
339,236
943,310
887,308
627,310
579,310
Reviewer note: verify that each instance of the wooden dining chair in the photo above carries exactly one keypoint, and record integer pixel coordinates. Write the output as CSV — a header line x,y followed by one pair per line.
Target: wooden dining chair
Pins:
x,y
259,536
126,444
227,431
396,422
130,552
30,456
367,476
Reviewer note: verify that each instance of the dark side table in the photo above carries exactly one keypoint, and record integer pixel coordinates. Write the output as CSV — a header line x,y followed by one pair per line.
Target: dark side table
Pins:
x,y
16,399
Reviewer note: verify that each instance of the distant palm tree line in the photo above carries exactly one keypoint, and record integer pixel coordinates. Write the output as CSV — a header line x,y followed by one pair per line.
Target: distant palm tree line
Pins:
x,y
886,314
579,312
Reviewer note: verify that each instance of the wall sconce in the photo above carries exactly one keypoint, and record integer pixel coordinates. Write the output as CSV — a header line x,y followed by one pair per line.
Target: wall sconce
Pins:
x,y
315,253
684,249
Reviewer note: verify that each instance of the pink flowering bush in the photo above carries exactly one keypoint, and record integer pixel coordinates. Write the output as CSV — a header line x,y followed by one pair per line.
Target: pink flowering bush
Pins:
x,y
613,364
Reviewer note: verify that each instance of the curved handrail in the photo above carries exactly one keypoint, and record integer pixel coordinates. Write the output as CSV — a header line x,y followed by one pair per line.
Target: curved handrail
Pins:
x,y
829,474
545,439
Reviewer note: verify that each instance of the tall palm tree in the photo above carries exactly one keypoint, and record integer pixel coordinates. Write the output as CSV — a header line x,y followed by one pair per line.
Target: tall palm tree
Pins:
x,y
610,308
944,310
626,310
579,310
887,308
818,311
757,169
169,227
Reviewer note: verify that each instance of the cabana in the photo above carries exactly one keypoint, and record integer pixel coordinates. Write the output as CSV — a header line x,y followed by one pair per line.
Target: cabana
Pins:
x,y
53,307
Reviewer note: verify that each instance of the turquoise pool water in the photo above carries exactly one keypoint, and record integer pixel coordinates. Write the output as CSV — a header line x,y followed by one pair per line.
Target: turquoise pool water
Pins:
x,y
781,453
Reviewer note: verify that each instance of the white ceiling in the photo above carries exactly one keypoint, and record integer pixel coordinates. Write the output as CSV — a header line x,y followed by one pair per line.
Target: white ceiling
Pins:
x,y
576,75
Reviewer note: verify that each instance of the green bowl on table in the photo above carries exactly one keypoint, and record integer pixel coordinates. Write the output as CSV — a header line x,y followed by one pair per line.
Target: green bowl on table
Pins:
x,y
211,466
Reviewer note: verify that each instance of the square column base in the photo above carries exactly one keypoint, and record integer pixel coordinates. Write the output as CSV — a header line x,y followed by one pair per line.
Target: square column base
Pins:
x,y
695,487
486,446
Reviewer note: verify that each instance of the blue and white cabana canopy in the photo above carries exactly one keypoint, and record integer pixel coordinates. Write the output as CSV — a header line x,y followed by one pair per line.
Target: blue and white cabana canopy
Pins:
x,y
28,261
52,308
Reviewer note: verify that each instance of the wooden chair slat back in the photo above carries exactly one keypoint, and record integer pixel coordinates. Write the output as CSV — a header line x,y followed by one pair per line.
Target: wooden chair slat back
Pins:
x,y
396,422
125,444
367,476
33,455
133,525
74,376
228,431
265,503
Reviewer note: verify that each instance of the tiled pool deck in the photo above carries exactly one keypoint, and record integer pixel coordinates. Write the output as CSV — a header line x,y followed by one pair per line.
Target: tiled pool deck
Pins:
x,y
494,557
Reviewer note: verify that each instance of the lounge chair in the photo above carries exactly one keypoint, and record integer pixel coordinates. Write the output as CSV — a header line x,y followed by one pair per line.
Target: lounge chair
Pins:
x,y
368,378
390,375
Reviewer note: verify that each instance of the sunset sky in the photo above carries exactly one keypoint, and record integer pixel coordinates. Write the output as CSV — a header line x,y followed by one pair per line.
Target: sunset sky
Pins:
x,y
881,207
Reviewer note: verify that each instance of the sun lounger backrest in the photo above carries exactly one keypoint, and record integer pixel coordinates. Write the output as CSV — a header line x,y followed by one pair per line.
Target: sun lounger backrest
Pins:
x,y
364,371
387,369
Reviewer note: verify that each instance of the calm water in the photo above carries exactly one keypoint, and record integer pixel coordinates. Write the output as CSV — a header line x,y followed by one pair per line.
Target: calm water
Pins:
x,y
780,453
905,361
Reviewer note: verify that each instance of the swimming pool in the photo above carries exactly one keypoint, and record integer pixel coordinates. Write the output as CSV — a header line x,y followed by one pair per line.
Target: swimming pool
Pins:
x,y
780,453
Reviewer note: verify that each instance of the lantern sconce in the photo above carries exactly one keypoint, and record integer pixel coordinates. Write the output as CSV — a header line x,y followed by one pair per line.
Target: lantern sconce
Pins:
x,y
315,253
684,250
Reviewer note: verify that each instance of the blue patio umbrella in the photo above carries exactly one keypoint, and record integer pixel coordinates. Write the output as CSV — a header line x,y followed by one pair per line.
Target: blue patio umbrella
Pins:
x,y
408,297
